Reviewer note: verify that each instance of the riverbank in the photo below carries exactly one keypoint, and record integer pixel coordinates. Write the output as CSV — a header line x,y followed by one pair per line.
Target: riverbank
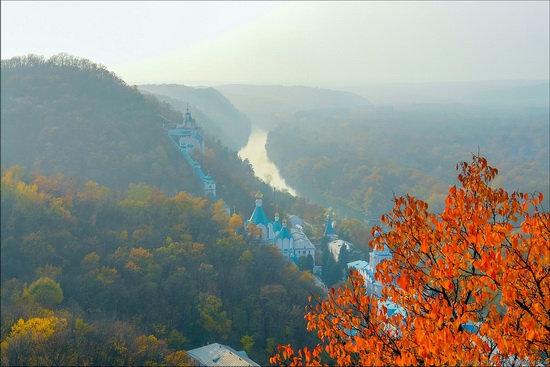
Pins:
x,y
263,167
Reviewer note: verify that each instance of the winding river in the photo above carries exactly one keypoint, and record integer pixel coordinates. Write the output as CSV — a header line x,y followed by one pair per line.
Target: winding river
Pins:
x,y
263,167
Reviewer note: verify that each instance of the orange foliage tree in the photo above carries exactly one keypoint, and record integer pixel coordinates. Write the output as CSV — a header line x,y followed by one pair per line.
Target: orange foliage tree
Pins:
x,y
473,285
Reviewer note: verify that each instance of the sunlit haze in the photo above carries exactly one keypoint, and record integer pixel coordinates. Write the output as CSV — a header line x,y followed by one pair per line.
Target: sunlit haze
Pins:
x,y
309,43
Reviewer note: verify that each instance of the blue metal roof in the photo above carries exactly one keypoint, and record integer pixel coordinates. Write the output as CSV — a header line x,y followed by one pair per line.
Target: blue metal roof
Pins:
x,y
284,234
329,231
392,308
259,217
277,226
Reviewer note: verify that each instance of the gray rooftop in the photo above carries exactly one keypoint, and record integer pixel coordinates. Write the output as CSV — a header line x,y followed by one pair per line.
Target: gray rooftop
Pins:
x,y
220,355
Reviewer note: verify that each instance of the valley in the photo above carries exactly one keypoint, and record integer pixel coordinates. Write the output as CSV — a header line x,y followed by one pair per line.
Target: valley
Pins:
x,y
121,201
275,183
264,168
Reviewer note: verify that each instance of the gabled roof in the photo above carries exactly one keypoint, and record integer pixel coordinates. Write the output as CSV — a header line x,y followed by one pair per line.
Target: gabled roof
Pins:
x,y
295,220
300,240
220,355
284,234
329,231
259,217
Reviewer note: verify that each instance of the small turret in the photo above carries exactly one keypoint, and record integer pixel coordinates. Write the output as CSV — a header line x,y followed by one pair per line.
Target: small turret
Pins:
x,y
285,241
258,197
188,120
329,231
276,223
260,219
209,186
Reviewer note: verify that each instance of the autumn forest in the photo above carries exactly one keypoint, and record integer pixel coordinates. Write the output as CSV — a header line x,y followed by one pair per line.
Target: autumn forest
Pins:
x,y
112,255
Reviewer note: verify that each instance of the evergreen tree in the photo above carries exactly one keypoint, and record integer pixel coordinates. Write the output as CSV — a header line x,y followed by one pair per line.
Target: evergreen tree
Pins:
x,y
343,256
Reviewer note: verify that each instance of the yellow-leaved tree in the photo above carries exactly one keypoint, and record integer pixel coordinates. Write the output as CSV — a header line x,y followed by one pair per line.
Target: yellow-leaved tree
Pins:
x,y
471,286
38,341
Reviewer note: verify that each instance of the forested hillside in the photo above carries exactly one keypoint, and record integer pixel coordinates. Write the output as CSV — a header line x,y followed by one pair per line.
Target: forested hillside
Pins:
x,y
218,117
71,116
100,277
109,254
355,160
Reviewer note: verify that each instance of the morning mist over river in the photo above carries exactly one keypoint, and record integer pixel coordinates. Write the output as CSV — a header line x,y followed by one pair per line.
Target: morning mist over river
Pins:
x,y
264,168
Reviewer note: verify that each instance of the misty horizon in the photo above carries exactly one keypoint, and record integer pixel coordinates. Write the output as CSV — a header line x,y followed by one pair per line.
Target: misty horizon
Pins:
x,y
318,44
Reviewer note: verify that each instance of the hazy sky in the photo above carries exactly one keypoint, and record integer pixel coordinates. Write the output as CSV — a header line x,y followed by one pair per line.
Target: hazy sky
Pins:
x,y
286,42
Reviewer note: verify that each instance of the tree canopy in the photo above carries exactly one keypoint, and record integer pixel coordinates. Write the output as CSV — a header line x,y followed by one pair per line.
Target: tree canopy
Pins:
x,y
470,286
353,160
95,276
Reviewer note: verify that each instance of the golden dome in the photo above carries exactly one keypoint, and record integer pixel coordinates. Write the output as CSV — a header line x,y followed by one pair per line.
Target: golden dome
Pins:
x,y
259,195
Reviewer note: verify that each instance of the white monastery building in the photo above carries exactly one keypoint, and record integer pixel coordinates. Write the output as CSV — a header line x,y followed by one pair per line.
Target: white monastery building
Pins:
x,y
291,241
368,269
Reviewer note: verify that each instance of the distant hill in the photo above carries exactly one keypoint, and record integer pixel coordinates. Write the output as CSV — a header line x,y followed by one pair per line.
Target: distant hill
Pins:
x,y
536,95
517,93
270,105
355,160
217,116
71,116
